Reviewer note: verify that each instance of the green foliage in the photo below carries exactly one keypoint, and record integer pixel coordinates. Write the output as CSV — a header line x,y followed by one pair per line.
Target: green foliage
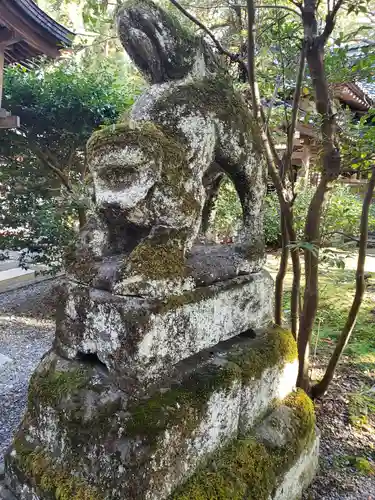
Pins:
x,y
336,291
361,406
59,105
360,464
272,220
43,181
228,211
340,217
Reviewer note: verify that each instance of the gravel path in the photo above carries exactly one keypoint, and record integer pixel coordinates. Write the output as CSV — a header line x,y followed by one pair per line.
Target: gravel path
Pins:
x,y
26,332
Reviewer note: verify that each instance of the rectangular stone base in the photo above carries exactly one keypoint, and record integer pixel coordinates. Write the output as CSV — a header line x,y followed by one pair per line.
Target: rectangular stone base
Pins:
x,y
142,339
86,436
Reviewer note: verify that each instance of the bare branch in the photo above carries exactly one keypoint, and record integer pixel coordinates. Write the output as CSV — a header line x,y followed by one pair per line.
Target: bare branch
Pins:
x,y
330,21
296,99
196,21
282,7
44,157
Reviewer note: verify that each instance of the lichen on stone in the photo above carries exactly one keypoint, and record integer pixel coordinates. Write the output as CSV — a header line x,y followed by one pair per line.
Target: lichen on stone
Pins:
x,y
50,479
159,258
49,387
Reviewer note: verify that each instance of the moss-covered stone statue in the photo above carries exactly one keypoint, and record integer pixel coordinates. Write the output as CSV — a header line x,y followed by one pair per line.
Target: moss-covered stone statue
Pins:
x,y
149,172
166,379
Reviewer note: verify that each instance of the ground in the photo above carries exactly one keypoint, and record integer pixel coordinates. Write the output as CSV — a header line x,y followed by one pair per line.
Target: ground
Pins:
x,y
346,416
26,333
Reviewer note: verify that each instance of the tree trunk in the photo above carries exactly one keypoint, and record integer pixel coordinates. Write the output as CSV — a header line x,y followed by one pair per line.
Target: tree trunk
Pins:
x,y
320,389
212,192
81,217
331,165
279,282
310,297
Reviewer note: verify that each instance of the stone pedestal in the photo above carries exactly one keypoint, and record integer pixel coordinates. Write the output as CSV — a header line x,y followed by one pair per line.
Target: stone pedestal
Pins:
x,y
85,437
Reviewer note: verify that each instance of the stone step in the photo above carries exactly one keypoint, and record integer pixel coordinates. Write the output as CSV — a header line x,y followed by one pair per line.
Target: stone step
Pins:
x,y
15,277
129,445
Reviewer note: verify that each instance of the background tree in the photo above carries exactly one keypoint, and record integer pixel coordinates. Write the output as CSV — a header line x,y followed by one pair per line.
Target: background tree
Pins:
x,y
317,23
59,106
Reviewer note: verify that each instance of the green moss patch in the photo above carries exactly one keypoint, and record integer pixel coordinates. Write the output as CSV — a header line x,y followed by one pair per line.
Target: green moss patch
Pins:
x,y
182,406
277,349
159,259
49,479
248,469
49,387
244,469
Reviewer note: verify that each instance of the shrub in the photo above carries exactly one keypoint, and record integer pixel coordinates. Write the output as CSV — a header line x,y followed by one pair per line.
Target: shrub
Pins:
x,y
341,214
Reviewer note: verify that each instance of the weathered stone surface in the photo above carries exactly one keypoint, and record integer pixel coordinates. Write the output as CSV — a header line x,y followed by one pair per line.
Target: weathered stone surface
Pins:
x,y
155,370
142,339
127,446
275,383
276,430
150,173
300,475
249,468
4,359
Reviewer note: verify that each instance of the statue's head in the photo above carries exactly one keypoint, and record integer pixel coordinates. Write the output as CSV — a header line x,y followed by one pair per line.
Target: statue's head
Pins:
x,y
156,42
124,164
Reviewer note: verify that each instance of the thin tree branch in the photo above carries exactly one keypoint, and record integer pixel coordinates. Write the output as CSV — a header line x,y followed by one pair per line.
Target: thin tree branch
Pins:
x,y
319,389
330,22
296,99
39,153
220,48
282,7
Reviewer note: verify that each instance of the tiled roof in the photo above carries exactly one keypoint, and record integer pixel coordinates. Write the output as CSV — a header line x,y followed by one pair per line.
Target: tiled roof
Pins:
x,y
35,32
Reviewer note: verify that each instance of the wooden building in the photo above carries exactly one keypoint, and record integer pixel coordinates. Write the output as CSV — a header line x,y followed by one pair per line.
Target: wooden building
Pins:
x,y
357,98
26,33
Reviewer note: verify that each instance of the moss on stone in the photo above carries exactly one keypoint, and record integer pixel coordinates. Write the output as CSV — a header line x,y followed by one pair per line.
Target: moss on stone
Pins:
x,y
210,95
156,144
158,259
247,468
49,387
277,349
243,469
50,479
303,409
303,429
182,405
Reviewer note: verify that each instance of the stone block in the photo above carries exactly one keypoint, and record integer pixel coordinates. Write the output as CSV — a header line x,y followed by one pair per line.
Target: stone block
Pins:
x,y
142,339
261,465
117,444
301,473
275,383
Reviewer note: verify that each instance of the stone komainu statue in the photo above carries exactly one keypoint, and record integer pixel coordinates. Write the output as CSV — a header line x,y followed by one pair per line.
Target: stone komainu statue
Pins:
x,y
149,173
154,372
